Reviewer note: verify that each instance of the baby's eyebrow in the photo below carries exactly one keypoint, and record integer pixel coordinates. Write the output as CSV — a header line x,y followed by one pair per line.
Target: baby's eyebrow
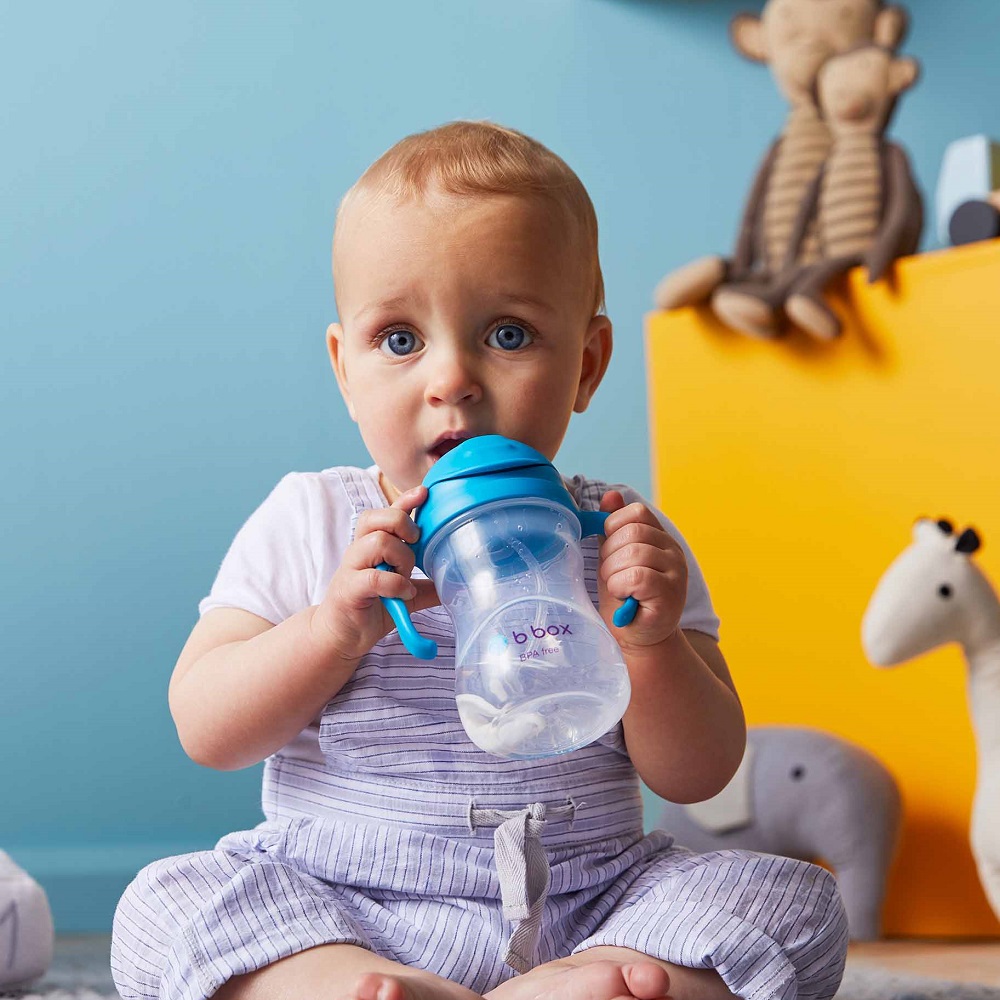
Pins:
x,y
502,297
528,300
383,305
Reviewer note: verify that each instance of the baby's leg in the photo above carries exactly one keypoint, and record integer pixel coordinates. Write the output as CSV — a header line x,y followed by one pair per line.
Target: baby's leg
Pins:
x,y
340,972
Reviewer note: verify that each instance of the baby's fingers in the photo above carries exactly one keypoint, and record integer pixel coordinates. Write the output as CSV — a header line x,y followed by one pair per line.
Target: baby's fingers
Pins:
x,y
620,513
640,582
363,587
381,547
426,596
637,533
394,520
639,555
410,500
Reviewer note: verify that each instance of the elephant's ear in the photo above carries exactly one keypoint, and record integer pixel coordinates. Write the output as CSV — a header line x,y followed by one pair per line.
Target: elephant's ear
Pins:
x,y
732,808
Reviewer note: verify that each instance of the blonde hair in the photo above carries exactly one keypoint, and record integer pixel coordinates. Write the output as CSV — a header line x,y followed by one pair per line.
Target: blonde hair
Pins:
x,y
479,157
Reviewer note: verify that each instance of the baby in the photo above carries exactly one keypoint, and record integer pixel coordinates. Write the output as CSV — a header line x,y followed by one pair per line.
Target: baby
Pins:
x,y
397,860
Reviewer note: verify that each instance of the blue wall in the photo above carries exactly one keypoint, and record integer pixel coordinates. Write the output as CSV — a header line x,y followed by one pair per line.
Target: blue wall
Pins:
x,y
168,182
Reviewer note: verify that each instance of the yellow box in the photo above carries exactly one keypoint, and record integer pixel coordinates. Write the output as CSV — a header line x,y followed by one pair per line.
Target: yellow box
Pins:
x,y
796,469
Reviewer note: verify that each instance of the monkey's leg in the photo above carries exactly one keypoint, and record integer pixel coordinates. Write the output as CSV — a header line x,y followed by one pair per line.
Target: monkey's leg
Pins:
x,y
753,307
746,306
805,305
691,284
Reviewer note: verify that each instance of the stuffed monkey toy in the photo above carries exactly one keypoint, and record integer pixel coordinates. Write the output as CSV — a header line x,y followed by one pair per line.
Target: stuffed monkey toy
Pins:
x,y
863,207
795,38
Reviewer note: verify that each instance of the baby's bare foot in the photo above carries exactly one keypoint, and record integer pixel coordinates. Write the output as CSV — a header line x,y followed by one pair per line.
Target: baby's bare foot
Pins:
x,y
604,980
377,986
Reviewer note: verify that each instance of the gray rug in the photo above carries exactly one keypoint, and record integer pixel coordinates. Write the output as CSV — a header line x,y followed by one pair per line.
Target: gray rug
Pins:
x,y
80,972
866,983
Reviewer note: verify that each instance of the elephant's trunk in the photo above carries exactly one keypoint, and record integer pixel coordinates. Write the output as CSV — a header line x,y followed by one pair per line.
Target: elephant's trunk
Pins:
x,y
862,900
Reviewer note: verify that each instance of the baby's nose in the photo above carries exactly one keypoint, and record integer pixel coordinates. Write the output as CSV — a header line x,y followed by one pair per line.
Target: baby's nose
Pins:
x,y
454,381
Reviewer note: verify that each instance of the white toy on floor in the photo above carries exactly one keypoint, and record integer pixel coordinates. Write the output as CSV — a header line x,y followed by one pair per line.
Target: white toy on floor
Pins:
x,y
933,594
27,936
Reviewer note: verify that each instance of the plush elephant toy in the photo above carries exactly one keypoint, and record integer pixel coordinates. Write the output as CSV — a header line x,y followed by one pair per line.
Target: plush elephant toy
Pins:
x,y
803,793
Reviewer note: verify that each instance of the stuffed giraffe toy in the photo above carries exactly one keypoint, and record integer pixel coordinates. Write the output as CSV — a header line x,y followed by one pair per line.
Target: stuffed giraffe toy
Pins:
x,y
795,38
934,593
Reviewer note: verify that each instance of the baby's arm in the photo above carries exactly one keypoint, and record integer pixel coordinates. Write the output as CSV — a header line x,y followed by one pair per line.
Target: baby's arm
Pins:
x,y
243,688
684,727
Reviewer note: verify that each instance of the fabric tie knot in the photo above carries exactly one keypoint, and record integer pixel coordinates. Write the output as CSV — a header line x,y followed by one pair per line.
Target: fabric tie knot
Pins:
x,y
523,869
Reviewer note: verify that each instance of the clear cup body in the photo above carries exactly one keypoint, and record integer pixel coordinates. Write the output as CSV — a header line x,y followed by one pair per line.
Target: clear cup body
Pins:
x,y
537,671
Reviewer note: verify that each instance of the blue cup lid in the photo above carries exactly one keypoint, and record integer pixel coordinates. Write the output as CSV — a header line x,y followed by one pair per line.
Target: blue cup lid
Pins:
x,y
481,470
478,455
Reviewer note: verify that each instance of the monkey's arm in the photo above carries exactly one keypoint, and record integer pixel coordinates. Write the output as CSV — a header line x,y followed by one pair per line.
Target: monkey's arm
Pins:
x,y
747,239
902,220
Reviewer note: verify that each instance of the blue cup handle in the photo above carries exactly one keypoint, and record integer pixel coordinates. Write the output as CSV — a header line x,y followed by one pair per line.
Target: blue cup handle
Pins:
x,y
592,523
419,646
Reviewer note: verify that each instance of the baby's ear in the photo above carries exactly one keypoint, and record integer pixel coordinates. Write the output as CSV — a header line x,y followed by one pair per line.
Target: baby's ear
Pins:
x,y
335,348
597,344
903,74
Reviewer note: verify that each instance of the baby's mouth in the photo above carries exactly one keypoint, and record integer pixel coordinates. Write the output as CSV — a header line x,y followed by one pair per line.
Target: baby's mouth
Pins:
x,y
445,444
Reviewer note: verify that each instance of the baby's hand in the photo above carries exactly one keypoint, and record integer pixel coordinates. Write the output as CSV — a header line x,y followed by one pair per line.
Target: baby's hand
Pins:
x,y
351,618
639,559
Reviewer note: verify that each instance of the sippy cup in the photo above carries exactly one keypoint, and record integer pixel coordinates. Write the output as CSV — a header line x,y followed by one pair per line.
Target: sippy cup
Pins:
x,y
537,671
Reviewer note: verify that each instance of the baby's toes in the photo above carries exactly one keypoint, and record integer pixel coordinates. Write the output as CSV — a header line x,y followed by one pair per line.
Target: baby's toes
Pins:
x,y
374,986
646,980
605,980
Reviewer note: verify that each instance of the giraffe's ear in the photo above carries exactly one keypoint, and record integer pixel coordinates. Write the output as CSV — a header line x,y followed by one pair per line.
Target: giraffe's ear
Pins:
x,y
968,542
747,34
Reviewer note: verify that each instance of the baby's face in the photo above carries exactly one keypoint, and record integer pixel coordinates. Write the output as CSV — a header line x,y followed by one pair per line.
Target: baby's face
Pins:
x,y
461,316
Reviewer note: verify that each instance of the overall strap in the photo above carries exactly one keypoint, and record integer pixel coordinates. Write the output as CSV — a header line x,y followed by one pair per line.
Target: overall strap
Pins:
x,y
362,489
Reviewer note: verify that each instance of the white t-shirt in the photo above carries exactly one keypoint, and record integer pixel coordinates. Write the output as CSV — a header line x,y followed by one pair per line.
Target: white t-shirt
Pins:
x,y
283,558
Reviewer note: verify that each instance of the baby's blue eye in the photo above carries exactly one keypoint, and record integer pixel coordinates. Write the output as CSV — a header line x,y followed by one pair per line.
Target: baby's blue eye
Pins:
x,y
399,343
509,337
